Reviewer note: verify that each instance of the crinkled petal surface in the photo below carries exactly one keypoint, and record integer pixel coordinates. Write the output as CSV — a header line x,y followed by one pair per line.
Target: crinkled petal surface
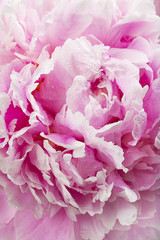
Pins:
x,y
79,119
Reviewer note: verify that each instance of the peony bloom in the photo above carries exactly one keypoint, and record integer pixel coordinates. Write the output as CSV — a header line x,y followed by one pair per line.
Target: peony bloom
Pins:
x,y
79,120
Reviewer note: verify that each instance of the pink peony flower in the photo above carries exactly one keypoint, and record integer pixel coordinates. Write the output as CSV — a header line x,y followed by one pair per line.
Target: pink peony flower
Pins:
x,y
79,120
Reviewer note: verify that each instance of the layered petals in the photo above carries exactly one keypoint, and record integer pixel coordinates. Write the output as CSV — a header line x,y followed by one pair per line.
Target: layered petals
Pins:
x,y
79,120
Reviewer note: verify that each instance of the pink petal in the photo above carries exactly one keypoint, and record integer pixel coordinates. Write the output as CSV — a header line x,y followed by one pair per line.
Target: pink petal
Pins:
x,y
59,227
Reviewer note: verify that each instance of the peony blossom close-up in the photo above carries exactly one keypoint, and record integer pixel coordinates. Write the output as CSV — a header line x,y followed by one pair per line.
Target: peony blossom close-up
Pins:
x,y
79,120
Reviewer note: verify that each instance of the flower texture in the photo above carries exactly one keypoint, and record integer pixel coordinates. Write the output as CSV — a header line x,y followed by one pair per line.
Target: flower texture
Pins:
x,y
79,120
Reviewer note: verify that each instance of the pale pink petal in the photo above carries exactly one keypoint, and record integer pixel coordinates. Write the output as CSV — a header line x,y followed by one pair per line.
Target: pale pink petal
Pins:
x,y
7,213
79,119
58,227
7,232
